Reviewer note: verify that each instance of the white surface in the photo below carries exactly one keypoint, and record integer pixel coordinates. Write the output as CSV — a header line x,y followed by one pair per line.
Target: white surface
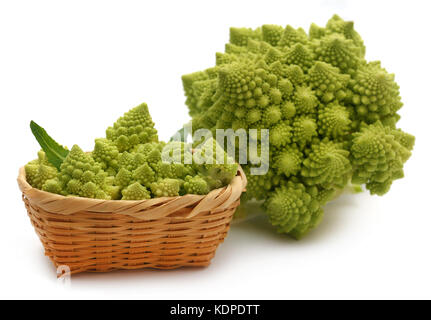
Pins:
x,y
76,66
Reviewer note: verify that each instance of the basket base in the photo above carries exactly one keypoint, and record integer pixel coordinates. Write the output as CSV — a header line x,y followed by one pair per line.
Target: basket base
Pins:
x,y
103,242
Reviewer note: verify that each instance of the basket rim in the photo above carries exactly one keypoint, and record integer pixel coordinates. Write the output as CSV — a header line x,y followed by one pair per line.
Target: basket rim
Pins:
x,y
147,209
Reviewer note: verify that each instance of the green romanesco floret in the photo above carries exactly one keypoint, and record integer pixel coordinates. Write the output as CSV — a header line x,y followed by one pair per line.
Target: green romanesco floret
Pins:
x,y
327,165
106,154
378,156
331,115
375,95
129,164
327,81
281,134
144,174
135,191
166,187
288,161
195,185
333,121
131,160
214,164
39,171
123,178
304,129
337,25
133,128
80,175
293,210
52,185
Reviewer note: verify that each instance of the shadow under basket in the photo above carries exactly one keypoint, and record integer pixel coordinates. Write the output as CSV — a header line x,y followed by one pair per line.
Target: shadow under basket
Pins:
x,y
94,235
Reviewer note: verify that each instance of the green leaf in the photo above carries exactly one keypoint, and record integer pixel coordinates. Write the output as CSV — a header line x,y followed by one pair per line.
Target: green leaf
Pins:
x,y
55,153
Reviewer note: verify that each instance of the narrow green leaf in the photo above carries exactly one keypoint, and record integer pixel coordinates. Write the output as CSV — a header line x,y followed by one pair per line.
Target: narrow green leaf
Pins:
x,y
55,153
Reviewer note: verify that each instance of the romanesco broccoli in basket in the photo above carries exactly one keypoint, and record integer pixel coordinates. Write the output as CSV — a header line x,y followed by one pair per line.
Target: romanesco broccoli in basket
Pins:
x,y
126,165
331,115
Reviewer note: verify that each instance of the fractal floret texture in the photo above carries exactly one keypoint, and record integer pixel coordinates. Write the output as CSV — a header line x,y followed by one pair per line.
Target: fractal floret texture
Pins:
x,y
331,114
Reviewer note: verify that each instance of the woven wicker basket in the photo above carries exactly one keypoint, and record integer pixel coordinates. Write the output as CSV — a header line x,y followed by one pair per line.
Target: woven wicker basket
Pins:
x,y
103,235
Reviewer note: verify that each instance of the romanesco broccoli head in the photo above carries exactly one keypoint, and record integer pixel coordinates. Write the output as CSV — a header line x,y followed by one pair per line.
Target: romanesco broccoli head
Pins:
x,y
331,115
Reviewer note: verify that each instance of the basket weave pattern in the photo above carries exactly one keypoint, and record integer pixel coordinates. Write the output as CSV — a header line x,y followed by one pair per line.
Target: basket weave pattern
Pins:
x,y
104,235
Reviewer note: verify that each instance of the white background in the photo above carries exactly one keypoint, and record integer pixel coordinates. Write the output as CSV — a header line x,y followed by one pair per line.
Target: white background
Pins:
x,y
76,66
